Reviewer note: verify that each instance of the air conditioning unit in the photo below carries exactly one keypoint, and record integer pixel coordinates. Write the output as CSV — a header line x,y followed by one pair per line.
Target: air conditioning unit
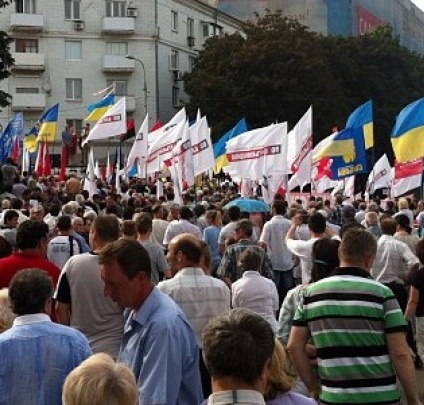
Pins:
x,y
79,25
131,12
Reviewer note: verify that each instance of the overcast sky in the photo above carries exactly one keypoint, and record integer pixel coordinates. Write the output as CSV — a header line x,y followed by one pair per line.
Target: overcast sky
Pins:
x,y
419,3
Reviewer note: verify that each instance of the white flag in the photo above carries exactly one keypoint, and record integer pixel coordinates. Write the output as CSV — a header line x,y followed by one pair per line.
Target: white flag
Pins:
x,y
113,123
161,149
97,170
201,146
117,170
90,181
339,188
258,153
380,176
299,151
139,148
176,119
349,188
402,186
108,169
183,158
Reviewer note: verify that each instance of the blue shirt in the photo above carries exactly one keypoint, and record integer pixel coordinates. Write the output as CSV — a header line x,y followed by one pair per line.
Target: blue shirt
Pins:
x,y
210,237
159,346
36,355
81,242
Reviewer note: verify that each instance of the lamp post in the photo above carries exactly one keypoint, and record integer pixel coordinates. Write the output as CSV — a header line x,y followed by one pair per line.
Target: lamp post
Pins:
x,y
144,79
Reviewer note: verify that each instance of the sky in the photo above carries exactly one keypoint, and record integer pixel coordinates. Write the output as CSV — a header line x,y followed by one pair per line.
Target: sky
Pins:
x,y
419,3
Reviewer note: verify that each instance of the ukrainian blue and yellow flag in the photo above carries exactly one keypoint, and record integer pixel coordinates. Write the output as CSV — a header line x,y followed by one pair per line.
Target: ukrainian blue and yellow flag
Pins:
x,y
408,133
220,148
98,109
48,124
346,153
362,117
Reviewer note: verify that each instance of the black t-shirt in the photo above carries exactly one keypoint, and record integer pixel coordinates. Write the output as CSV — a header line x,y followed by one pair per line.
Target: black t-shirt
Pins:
x,y
417,281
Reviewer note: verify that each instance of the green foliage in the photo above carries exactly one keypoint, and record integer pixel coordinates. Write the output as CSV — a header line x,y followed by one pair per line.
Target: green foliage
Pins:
x,y
6,59
279,68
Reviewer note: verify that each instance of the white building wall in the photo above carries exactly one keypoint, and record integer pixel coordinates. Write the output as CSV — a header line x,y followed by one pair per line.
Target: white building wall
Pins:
x,y
151,42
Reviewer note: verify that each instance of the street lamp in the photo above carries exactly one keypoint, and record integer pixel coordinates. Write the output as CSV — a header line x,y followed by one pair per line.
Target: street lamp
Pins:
x,y
144,78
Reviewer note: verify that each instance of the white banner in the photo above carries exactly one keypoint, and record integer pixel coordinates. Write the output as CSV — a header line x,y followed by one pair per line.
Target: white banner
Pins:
x,y
139,148
402,186
183,158
113,123
380,176
201,145
161,149
320,181
258,153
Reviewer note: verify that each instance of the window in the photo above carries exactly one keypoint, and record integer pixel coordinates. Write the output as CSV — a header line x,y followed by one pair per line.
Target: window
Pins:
x,y
174,60
25,6
120,87
72,9
27,90
191,63
73,50
75,124
74,89
205,30
175,96
174,21
26,45
190,27
116,48
115,8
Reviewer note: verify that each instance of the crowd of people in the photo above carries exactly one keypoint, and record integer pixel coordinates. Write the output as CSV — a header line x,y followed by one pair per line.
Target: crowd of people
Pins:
x,y
126,297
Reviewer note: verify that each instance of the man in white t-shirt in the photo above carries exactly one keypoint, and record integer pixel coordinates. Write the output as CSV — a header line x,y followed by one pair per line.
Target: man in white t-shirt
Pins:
x,y
63,246
303,248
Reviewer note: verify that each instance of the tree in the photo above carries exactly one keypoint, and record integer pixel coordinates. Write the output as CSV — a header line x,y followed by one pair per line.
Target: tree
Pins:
x,y
273,73
278,68
6,59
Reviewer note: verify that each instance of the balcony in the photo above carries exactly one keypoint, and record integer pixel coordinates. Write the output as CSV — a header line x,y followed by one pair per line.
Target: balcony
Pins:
x,y
28,102
26,22
35,62
117,64
118,25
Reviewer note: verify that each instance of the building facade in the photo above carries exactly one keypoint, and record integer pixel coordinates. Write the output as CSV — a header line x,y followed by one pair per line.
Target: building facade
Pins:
x,y
66,50
342,17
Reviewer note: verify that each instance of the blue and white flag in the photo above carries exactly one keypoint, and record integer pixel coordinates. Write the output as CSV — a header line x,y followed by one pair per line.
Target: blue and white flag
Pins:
x,y
14,128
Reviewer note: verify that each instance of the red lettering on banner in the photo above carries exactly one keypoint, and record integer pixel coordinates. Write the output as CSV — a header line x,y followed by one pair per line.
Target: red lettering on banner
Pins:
x,y
254,153
306,148
111,118
199,147
367,22
161,151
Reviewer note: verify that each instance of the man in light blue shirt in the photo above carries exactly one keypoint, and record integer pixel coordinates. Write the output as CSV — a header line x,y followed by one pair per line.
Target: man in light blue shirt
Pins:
x,y
36,354
158,344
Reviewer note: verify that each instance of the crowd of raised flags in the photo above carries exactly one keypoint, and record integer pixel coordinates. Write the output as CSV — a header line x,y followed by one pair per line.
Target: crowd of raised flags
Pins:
x,y
271,156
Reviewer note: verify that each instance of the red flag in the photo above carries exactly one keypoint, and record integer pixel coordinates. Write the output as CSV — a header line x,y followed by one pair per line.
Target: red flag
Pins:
x,y
47,163
63,161
15,149
156,126
403,170
103,172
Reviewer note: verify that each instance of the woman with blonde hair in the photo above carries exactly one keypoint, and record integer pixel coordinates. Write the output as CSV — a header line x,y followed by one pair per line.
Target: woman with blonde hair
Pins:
x,y
279,383
6,315
100,381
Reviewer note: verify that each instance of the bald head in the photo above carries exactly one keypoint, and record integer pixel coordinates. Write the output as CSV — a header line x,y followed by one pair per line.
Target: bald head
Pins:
x,y
184,251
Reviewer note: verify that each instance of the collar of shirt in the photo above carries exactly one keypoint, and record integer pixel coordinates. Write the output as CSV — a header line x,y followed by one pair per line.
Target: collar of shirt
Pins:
x,y
351,271
30,319
190,271
251,274
384,237
236,397
142,315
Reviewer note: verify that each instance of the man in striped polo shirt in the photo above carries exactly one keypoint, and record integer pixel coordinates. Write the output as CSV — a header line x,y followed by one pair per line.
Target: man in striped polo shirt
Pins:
x,y
359,333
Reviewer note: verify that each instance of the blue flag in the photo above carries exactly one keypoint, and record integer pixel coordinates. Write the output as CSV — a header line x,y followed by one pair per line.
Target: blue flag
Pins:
x,y
14,129
351,157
